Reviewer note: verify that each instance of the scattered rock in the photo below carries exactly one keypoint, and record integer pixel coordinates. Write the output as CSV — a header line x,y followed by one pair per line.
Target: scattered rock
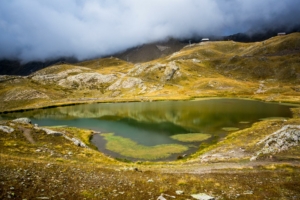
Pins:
x,y
127,83
150,181
179,192
138,69
161,197
170,71
78,143
131,82
280,140
23,120
196,60
45,77
43,198
115,93
51,132
6,129
87,81
202,196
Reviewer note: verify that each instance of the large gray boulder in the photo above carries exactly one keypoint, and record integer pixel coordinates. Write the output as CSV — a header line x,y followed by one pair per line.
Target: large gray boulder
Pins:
x,y
202,196
6,129
23,120
51,132
78,143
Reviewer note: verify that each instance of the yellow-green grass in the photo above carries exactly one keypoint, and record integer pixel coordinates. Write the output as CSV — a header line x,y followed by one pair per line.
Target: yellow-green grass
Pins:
x,y
226,69
129,148
230,129
191,137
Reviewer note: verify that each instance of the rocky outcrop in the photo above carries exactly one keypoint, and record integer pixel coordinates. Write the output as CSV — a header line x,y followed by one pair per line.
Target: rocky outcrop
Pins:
x,y
87,81
165,71
138,69
281,140
6,129
170,70
51,132
126,83
47,78
23,120
75,141
78,143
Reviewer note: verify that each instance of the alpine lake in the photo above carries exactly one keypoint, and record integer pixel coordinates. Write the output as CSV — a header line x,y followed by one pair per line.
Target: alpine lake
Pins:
x,y
158,131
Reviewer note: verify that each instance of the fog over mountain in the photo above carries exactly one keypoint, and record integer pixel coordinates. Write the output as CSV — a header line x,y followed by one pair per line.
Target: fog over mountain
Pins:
x,y
40,30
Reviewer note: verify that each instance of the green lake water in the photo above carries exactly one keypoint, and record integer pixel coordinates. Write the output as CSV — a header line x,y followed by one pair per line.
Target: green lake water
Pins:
x,y
150,124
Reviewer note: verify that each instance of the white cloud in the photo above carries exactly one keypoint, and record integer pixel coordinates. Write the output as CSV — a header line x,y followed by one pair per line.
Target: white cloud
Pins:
x,y
35,29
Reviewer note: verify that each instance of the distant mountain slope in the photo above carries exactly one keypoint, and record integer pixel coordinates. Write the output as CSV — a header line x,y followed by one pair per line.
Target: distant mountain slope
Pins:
x,y
151,51
143,53
268,70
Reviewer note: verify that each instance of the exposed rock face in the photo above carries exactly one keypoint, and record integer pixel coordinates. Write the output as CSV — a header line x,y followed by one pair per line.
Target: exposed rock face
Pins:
x,y
44,78
138,69
170,71
78,143
280,140
23,120
24,94
6,129
131,82
51,132
87,80
127,83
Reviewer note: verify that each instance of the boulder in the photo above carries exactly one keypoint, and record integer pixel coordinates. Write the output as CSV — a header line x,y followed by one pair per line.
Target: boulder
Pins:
x,y
179,192
202,196
170,71
23,120
78,143
6,129
51,132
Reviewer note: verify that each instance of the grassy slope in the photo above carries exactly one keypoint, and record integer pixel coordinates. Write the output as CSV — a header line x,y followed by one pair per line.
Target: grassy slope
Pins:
x,y
266,70
36,165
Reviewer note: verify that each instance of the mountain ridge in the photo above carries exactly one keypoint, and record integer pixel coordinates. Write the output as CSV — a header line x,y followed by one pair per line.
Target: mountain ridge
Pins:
x,y
142,53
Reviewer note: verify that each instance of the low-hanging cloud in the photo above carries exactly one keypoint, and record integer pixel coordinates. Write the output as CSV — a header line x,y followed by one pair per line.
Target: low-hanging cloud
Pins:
x,y
39,30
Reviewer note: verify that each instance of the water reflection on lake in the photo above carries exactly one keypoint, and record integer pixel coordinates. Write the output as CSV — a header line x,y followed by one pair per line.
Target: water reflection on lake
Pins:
x,y
152,123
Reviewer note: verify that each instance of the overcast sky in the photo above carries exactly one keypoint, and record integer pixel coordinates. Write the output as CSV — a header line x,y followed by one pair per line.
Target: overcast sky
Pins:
x,y
45,29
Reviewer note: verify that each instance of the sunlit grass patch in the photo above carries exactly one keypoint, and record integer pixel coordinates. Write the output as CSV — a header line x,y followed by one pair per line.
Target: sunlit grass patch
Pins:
x,y
129,148
230,129
191,137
